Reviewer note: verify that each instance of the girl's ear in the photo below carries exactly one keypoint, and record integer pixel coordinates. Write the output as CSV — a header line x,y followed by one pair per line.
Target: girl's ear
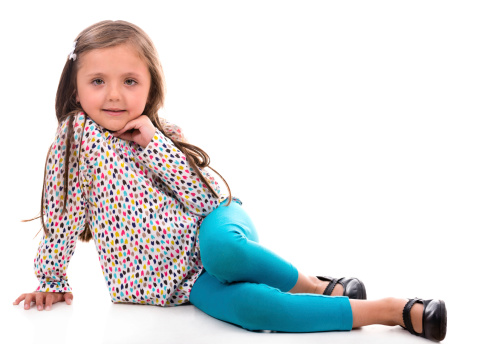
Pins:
x,y
77,98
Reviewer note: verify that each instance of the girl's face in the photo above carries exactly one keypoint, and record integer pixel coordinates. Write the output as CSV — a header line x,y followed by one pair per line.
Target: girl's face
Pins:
x,y
112,85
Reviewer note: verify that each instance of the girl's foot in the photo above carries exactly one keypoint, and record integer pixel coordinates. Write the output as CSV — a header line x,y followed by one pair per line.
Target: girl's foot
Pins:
x,y
425,318
352,287
416,317
396,307
313,285
321,286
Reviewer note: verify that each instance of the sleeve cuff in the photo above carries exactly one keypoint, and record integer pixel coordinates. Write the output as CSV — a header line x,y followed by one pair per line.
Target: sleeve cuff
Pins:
x,y
54,287
142,152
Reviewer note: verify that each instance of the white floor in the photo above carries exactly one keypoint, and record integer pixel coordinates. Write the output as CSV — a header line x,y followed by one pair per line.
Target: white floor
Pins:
x,y
92,318
82,323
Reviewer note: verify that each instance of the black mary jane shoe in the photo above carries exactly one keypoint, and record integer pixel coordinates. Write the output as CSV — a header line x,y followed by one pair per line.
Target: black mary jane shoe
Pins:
x,y
352,287
434,319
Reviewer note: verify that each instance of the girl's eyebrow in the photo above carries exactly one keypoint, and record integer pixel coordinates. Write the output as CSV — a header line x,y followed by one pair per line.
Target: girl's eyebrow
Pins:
x,y
131,74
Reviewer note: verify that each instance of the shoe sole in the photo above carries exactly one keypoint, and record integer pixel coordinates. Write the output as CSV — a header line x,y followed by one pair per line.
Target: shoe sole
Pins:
x,y
362,295
443,323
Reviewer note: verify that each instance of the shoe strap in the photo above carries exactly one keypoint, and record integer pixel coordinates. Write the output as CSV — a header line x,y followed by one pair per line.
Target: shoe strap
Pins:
x,y
406,315
331,286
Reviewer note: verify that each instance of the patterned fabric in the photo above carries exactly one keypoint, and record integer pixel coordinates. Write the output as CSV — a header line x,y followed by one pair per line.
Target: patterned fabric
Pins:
x,y
143,205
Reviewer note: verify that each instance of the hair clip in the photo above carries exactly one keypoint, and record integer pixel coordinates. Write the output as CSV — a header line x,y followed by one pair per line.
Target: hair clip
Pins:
x,y
72,55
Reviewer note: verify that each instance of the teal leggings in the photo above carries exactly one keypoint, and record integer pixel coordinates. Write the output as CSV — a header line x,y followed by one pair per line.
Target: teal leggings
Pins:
x,y
245,284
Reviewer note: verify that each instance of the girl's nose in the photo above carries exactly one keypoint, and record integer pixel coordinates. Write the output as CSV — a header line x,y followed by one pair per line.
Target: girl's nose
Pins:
x,y
113,92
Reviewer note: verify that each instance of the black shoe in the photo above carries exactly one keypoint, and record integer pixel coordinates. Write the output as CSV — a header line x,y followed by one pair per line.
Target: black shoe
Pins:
x,y
434,319
352,287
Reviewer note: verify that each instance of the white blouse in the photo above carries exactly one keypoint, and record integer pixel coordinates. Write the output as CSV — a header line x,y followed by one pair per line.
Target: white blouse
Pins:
x,y
144,208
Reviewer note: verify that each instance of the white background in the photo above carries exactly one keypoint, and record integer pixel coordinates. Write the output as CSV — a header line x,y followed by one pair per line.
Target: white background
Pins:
x,y
360,136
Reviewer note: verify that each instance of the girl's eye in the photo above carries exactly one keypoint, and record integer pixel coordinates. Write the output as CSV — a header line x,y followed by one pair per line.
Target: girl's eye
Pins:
x,y
97,82
130,82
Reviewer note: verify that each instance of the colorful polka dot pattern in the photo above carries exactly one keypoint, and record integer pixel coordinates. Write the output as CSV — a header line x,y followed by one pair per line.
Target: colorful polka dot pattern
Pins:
x,y
144,208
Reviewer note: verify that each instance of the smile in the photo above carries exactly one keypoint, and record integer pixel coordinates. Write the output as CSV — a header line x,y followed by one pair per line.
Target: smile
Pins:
x,y
113,112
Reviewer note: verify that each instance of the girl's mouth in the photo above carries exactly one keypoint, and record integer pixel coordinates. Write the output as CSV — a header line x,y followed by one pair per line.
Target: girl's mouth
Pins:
x,y
113,112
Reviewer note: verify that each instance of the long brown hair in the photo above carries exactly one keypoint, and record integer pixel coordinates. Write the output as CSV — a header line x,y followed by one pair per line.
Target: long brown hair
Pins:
x,y
107,34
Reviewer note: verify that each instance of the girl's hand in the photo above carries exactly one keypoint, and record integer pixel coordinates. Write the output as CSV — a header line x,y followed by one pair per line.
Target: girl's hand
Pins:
x,y
42,298
140,130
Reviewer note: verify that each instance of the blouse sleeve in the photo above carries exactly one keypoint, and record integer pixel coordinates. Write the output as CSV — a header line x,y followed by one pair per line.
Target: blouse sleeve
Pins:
x,y
56,249
163,158
176,133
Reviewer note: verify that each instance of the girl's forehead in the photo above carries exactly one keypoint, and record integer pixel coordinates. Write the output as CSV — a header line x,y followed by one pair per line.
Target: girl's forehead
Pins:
x,y
115,57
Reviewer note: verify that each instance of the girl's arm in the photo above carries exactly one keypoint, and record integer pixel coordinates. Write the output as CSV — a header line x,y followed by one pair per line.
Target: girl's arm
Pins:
x,y
160,155
177,134
57,247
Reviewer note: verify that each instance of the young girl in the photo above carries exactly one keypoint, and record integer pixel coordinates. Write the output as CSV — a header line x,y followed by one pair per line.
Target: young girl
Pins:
x,y
120,175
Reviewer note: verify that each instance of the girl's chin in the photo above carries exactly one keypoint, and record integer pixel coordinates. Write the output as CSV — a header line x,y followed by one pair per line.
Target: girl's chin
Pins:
x,y
112,127
114,124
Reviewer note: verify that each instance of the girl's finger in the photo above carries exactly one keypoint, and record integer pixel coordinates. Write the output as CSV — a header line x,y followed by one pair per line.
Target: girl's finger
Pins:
x,y
19,299
27,301
125,136
39,301
68,297
118,132
128,126
137,123
48,301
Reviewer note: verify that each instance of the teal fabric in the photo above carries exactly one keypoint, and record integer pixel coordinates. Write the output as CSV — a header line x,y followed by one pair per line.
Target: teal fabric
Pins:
x,y
246,284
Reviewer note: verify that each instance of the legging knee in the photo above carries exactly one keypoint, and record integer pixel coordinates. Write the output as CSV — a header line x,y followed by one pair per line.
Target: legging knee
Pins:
x,y
222,256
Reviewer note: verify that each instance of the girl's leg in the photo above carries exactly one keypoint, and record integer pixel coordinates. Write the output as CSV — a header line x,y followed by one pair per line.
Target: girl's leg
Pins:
x,y
386,311
246,284
260,307
255,306
230,251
